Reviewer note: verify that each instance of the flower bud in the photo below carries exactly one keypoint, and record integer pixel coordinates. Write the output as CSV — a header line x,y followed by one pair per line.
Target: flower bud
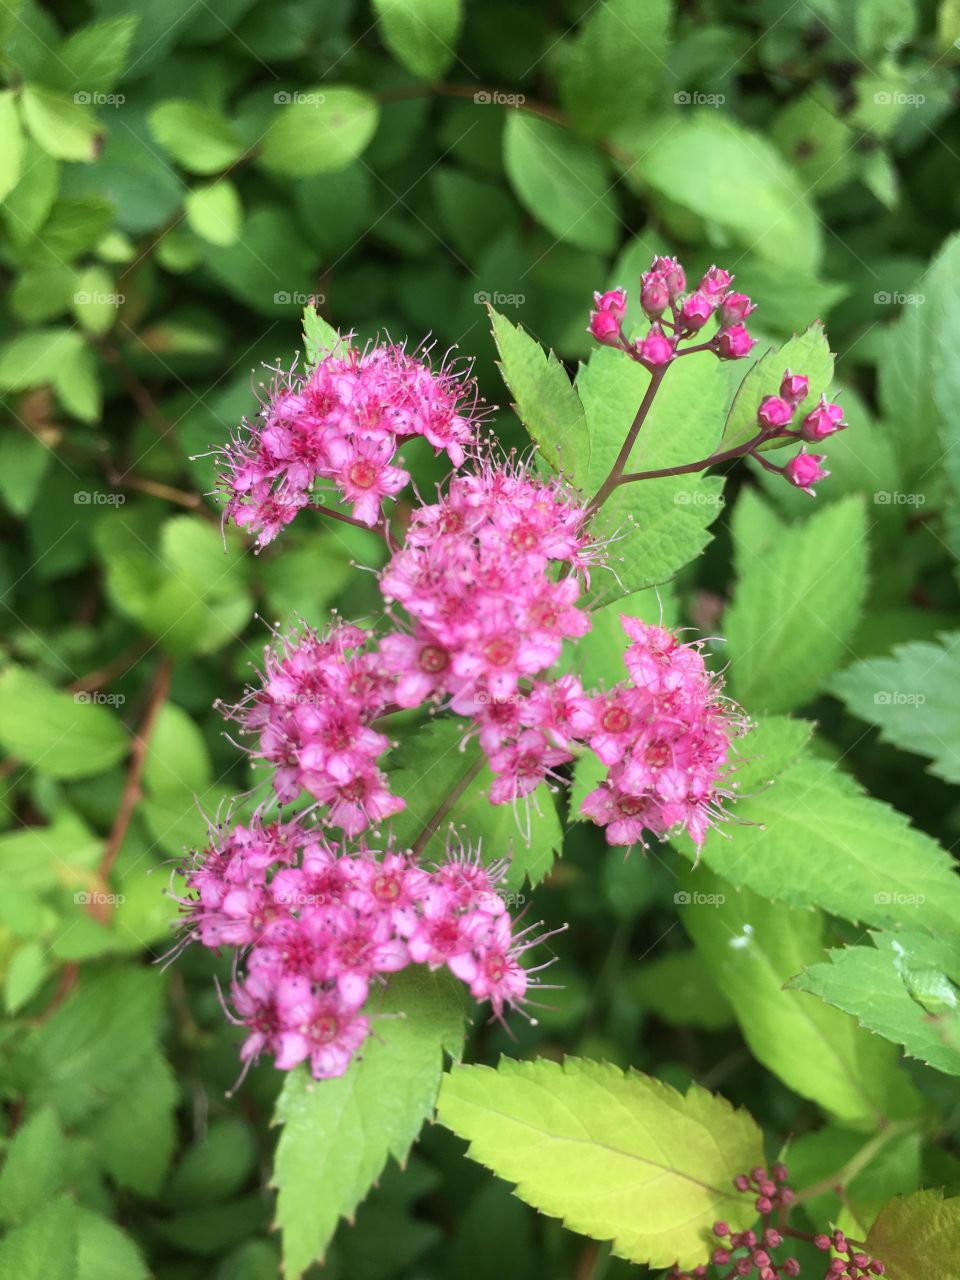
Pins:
x,y
764,1204
767,1188
742,1267
605,327
735,308
822,1242
721,1229
877,1268
805,471
720,1257
614,301
742,1182
696,311
716,282
794,388
734,343
790,1267
822,421
655,350
673,276
654,296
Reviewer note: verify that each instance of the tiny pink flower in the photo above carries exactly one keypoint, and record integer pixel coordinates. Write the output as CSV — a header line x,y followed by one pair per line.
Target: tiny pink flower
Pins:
x,y
614,301
774,412
795,387
805,470
823,421
735,308
605,327
654,296
656,350
716,282
734,343
696,310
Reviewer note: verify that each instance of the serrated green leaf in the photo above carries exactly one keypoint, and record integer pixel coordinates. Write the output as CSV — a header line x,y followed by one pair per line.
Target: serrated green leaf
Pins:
x,y
617,1156
914,698
796,605
752,948
883,990
561,181
61,734
421,34
338,1134
918,1235
544,399
45,1247
92,58
319,131
807,353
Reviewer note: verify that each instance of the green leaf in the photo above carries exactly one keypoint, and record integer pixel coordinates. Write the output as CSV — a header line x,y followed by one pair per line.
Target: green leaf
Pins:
x,y
177,759
104,1252
621,42
33,359
25,974
64,735
64,128
135,1134
914,698
338,1134
741,184
421,34
890,994
93,57
214,212
24,461
796,605
216,1168
617,1156
752,948
26,207
918,1235
544,399
320,338
45,1247
807,353
319,131
562,182
268,266
95,302
11,143
815,839
198,137
432,766
660,525
34,1168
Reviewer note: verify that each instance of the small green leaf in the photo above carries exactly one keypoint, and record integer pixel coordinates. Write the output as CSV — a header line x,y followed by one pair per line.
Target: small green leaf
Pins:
x,y
95,300
34,1167
544,399
62,734
93,57
64,128
135,1135
617,1156
319,131
24,461
198,137
338,1134
214,212
11,143
421,34
320,338
561,181
796,606
917,1235
25,974
177,759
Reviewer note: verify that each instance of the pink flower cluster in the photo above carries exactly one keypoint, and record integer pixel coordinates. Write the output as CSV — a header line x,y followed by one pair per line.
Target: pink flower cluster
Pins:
x,y
312,716
317,927
343,424
665,736
676,315
775,417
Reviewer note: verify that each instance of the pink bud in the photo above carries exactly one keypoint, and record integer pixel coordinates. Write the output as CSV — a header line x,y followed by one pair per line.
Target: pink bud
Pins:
x,y
673,275
735,308
734,343
786,1195
720,1257
614,301
794,388
742,1182
764,1204
767,1188
654,296
605,327
772,1238
696,311
790,1267
716,282
877,1268
805,471
822,421
655,350
761,1258
721,1229
822,1242
774,412
743,1267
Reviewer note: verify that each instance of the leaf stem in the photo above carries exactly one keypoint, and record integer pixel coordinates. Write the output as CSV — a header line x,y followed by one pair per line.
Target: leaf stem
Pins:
x,y
430,830
623,457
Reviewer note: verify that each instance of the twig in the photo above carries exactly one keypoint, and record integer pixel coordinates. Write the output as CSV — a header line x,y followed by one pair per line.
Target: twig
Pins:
x,y
428,832
623,457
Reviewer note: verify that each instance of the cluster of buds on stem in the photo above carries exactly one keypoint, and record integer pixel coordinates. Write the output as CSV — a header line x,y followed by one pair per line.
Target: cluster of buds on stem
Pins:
x,y
676,315
775,418
753,1253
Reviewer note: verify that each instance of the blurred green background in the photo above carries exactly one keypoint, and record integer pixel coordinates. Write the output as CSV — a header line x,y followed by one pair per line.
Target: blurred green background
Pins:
x,y
179,179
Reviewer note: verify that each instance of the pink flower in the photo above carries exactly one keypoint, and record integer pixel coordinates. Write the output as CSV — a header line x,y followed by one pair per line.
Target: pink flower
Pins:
x,y
805,470
696,311
605,327
795,387
672,274
613,301
361,470
822,421
655,350
654,296
521,766
774,412
733,343
716,282
735,308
